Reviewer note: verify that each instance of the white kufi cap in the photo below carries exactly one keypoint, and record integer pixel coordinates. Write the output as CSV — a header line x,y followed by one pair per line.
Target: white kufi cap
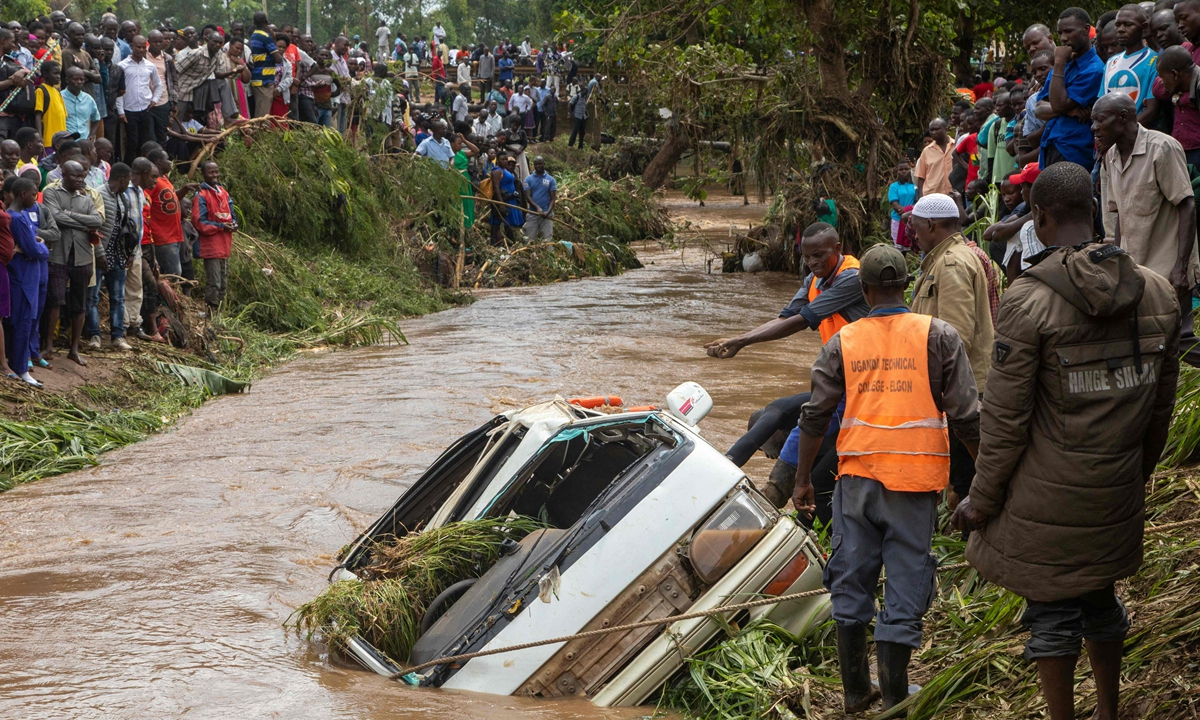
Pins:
x,y
935,206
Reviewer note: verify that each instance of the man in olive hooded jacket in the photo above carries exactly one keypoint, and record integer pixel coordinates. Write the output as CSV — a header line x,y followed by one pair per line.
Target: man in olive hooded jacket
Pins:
x,y
1079,402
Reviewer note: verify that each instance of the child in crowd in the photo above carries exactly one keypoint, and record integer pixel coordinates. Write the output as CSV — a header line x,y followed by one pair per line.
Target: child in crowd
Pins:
x,y
28,272
49,114
213,216
322,83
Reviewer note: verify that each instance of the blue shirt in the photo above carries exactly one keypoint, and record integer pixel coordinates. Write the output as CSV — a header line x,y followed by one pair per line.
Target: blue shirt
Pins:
x,y
903,193
1132,75
441,152
125,51
981,137
540,187
262,71
506,68
81,112
1073,138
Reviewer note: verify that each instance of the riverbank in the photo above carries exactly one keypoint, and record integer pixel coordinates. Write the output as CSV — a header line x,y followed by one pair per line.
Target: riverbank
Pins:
x,y
338,248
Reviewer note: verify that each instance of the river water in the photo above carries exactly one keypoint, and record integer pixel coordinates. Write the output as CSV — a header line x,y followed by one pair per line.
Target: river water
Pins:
x,y
156,584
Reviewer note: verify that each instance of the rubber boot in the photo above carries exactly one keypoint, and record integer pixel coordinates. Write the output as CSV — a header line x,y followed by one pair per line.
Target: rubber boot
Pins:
x,y
856,668
893,673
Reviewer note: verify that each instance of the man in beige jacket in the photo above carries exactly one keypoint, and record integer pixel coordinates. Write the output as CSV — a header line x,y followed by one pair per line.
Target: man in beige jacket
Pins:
x,y
952,287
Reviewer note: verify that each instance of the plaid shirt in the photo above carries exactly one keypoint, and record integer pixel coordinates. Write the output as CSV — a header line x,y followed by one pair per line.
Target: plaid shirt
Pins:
x,y
193,70
989,273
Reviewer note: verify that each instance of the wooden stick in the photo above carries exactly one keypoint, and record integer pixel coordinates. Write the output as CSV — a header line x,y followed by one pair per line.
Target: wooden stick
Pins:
x,y
243,125
526,210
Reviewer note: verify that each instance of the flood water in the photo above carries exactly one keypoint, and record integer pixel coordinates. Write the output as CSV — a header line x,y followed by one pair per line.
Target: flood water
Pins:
x,y
156,584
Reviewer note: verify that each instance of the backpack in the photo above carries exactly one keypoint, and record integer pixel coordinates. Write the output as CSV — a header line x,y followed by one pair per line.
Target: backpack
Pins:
x,y
25,99
485,187
127,234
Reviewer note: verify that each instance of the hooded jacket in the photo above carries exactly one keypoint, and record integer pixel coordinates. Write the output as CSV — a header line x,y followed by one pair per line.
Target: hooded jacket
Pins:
x,y
1074,420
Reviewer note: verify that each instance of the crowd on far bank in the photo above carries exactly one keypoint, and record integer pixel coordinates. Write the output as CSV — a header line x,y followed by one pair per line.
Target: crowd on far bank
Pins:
x,y
94,120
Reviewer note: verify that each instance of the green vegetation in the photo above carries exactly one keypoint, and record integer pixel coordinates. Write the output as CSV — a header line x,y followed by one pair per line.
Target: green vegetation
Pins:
x,y
970,665
1185,428
751,675
56,435
386,605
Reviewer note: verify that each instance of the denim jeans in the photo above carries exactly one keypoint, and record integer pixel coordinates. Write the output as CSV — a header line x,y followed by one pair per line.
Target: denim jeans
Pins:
x,y
325,117
113,281
169,260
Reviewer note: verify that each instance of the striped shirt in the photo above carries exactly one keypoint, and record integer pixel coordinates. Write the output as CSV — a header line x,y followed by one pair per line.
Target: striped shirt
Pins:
x,y
263,68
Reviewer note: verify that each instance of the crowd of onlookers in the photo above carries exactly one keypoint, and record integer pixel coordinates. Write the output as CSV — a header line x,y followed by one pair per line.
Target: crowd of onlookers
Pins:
x,y
1117,96
94,119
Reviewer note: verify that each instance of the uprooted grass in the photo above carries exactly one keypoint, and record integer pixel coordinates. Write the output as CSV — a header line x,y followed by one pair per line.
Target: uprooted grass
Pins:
x,y
970,665
44,435
386,605
595,221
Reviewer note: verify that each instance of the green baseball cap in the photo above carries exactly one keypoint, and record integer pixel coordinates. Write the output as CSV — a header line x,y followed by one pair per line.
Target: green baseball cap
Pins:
x,y
883,265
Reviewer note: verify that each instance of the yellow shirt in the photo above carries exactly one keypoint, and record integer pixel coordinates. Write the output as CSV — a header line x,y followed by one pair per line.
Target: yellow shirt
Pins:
x,y
54,114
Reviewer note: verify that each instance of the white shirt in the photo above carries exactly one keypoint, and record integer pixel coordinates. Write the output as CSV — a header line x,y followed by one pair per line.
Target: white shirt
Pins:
x,y
483,128
382,33
521,103
464,72
459,108
1031,244
142,86
410,64
439,33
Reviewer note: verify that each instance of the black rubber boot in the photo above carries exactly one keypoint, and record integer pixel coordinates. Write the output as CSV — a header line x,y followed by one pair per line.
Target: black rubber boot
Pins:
x,y
893,673
856,668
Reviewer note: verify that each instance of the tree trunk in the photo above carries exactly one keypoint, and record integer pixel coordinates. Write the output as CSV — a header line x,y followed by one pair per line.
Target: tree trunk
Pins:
x,y
873,175
668,156
830,52
964,26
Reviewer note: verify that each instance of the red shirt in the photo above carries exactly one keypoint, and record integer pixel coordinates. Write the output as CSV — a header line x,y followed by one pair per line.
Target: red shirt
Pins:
x,y
1185,125
982,90
166,225
968,147
215,242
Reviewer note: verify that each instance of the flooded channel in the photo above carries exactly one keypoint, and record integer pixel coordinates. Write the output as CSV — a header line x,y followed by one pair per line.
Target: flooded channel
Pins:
x,y
155,585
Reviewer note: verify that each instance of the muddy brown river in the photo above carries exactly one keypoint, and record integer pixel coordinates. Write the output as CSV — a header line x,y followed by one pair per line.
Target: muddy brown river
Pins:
x,y
156,584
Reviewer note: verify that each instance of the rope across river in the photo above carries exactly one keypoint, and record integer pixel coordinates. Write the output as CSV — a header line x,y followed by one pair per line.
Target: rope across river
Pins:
x,y
1158,529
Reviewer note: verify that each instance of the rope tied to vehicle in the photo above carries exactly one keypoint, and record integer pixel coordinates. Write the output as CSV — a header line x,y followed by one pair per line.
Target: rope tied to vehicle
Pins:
x,y
738,607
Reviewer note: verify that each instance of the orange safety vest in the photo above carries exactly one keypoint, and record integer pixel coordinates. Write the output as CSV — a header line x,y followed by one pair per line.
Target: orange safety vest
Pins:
x,y
892,430
830,325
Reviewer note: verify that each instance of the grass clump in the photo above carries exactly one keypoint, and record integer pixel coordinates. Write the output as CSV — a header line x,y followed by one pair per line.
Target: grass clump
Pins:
x,y
595,221
54,435
750,676
305,184
1185,426
386,604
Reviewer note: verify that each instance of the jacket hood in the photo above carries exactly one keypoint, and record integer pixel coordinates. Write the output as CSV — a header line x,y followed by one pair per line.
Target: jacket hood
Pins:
x,y
1098,278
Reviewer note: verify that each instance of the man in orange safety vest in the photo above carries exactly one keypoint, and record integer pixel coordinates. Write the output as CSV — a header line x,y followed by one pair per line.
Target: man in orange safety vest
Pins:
x,y
907,381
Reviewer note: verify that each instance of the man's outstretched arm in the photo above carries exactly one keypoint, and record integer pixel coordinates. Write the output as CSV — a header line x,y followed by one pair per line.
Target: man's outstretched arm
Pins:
x,y
772,330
